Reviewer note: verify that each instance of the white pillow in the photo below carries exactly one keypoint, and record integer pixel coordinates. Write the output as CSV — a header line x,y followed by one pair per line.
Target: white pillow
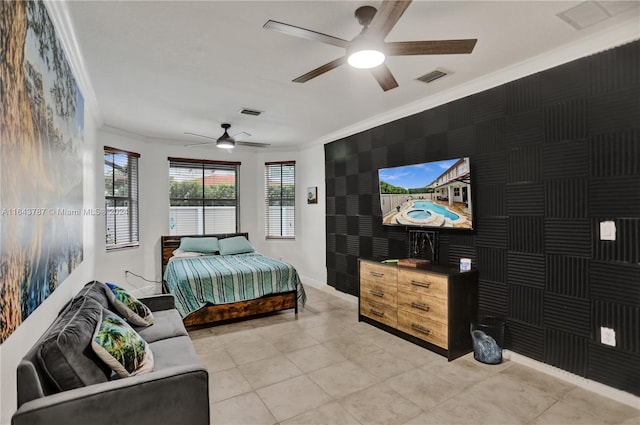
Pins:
x,y
178,253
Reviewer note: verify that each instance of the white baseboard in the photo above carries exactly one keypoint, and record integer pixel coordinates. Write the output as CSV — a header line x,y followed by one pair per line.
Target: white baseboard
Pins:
x,y
329,289
593,386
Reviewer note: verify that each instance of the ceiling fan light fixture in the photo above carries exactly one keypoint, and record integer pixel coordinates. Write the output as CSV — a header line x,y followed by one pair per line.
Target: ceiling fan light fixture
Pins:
x,y
365,52
366,59
225,141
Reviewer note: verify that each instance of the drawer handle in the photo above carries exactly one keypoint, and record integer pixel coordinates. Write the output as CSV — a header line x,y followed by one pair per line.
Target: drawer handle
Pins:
x,y
421,284
376,274
377,313
420,329
377,293
422,307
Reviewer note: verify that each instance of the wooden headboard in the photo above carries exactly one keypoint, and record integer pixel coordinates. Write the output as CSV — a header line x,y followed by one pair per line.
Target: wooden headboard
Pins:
x,y
171,243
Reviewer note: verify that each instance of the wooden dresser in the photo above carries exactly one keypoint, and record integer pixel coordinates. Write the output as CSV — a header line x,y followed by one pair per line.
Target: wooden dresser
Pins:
x,y
431,307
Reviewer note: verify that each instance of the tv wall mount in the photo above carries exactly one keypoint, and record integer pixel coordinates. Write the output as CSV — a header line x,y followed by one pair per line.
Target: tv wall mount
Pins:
x,y
424,245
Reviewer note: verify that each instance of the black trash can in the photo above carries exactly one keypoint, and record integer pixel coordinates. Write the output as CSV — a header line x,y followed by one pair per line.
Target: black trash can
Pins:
x,y
488,339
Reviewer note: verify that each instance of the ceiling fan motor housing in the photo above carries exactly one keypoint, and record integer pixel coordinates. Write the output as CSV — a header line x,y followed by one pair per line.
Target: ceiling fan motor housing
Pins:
x,y
365,15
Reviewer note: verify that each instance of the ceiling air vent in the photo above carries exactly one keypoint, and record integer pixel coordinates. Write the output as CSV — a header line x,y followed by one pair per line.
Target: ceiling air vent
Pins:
x,y
252,112
589,13
432,76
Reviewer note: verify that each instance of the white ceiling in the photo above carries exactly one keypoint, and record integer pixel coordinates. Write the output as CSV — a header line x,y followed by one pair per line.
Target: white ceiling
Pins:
x,y
163,68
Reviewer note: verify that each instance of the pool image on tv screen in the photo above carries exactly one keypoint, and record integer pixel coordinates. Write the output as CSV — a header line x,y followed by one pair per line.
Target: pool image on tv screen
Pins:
x,y
432,194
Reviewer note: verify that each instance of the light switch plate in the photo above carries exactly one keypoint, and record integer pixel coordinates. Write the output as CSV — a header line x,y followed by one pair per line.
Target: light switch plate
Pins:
x,y
607,231
608,336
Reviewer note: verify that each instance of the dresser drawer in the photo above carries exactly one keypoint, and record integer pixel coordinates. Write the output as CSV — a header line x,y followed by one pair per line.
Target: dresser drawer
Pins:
x,y
423,305
379,292
379,312
424,283
423,328
378,273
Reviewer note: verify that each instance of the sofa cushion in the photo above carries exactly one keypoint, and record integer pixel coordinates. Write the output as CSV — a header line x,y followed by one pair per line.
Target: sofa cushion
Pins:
x,y
65,353
173,352
128,306
166,324
119,346
95,290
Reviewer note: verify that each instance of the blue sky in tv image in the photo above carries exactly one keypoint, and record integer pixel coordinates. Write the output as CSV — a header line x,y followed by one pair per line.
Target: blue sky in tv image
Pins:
x,y
415,175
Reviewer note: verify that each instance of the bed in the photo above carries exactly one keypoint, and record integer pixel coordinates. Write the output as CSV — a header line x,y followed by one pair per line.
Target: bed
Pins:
x,y
211,289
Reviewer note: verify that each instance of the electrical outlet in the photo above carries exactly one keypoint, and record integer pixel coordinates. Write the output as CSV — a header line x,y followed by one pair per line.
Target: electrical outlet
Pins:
x,y
608,336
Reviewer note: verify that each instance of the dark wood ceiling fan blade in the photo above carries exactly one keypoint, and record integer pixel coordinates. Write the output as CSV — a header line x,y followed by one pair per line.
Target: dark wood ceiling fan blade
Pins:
x,y
438,47
305,33
384,77
386,17
320,70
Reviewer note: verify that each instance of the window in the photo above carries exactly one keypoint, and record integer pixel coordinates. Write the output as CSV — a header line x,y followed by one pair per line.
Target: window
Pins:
x,y
203,197
121,198
280,199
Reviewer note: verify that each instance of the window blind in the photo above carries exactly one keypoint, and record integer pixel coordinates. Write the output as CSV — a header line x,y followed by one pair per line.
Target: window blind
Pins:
x,y
203,197
121,198
280,199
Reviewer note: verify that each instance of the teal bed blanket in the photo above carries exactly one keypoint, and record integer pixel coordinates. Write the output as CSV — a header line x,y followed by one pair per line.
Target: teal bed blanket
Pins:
x,y
220,279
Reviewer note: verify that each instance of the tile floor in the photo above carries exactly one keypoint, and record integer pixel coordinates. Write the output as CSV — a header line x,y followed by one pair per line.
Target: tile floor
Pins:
x,y
327,368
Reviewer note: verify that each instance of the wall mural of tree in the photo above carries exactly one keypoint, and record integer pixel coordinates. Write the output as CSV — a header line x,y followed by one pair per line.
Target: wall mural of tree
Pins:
x,y
41,142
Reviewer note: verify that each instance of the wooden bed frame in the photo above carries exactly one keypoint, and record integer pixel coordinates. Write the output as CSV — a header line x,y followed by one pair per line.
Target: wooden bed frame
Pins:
x,y
219,313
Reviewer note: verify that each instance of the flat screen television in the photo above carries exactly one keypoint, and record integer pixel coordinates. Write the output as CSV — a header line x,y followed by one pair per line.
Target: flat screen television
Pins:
x,y
431,195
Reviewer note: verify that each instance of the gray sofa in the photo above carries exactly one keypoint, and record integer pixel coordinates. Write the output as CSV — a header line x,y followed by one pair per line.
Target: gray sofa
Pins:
x,y
61,381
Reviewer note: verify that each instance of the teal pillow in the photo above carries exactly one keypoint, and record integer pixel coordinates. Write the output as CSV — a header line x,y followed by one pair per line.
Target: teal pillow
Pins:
x,y
207,245
128,306
235,245
121,347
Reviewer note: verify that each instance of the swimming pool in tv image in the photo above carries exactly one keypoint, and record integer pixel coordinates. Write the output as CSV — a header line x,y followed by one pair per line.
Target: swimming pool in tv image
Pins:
x,y
427,206
428,213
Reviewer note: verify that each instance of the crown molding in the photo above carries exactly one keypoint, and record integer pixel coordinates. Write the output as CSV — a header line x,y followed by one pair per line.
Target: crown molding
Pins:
x,y
59,14
596,43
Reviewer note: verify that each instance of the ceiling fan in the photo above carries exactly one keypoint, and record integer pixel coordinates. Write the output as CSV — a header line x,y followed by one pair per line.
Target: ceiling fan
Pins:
x,y
368,50
225,141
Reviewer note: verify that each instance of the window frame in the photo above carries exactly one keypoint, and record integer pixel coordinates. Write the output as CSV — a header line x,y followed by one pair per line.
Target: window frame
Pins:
x,y
205,164
132,199
282,199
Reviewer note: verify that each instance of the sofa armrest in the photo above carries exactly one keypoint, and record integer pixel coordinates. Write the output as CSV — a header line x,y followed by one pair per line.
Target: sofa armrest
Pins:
x,y
159,302
174,395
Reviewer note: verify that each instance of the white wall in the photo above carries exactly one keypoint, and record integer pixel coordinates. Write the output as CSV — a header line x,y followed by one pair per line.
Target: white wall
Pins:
x,y
307,251
312,223
26,335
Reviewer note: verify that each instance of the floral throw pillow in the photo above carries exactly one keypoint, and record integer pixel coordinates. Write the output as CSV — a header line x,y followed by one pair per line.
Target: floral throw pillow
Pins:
x,y
120,347
129,307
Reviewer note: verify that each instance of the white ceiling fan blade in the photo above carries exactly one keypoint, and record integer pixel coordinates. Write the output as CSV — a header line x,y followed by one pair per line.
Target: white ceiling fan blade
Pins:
x,y
235,137
254,144
241,135
200,135
199,144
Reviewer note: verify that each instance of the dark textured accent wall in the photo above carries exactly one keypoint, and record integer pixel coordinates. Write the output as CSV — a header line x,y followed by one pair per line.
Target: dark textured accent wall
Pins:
x,y
552,155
